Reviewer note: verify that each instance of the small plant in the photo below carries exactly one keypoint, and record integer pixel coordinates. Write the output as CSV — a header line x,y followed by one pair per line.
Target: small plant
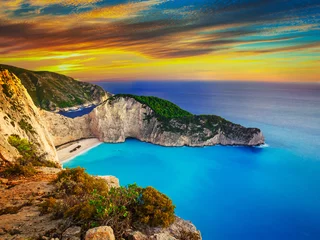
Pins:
x,y
19,170
24,147
24,125
48,205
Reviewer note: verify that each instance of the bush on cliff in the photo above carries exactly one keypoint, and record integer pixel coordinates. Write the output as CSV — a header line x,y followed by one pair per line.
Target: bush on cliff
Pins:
x,y
89,202
24,166
28,152
19,170
154,208
75,181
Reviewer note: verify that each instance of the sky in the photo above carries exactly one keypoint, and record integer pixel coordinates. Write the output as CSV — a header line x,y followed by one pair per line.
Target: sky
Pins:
x,y
117,40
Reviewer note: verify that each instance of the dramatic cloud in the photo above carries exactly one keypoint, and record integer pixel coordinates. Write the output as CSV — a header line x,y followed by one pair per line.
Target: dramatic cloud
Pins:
x,y
158,30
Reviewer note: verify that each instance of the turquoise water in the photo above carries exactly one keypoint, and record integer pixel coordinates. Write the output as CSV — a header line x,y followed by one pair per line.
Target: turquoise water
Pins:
x,y
231,192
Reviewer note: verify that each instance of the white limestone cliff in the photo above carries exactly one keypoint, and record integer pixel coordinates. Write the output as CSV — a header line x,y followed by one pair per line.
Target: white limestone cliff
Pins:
x,y
114,121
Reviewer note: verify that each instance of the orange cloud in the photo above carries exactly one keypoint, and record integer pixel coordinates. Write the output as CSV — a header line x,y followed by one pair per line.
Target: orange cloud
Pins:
x,y
62,2
127,10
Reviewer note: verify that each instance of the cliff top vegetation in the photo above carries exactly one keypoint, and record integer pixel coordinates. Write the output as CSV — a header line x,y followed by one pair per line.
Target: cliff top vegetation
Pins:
x,y
163,108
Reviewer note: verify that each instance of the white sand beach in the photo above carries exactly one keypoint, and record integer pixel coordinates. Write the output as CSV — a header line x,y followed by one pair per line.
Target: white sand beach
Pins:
x,y
71,150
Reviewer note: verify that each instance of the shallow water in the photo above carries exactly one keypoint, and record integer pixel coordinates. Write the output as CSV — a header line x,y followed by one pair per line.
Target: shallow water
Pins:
x,y
231,192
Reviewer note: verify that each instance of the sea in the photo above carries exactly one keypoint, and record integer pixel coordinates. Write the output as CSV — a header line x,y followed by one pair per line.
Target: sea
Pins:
x,y
268,192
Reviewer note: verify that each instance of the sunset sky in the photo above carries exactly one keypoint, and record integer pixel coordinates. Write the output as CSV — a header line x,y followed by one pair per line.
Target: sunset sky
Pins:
x,y
267,40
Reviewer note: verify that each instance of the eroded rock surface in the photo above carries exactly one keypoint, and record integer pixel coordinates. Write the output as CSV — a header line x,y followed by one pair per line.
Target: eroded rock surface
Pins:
x,y
63,129
179,230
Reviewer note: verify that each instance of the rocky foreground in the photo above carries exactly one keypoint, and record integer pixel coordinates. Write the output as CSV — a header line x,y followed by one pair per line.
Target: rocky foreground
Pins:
x,y
21,217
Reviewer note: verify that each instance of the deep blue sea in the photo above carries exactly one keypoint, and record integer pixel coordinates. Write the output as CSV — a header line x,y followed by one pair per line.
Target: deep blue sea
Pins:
x,y
231,193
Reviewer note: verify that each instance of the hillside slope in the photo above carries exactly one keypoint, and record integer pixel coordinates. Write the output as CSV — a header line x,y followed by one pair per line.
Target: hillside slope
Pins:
x,y
20,117
52,91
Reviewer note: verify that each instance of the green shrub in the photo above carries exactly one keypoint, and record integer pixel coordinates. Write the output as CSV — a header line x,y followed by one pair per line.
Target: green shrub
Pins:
x,y
23,146
29,155
116,209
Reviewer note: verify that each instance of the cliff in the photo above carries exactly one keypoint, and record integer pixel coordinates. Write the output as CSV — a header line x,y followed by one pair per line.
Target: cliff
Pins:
x,y
64,129
19,116
124,116
52,91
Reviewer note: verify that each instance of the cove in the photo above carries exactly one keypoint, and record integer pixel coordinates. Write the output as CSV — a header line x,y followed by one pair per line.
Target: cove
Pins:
x,y
227,192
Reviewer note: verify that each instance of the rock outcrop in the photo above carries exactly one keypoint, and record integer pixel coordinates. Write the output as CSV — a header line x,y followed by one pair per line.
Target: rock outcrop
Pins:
x,y
111,181
180,229
64,129
124,117
72,233
19,116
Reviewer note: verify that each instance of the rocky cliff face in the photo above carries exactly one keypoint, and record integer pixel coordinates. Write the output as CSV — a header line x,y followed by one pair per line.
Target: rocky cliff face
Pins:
x,y
19,115
64,129
125,117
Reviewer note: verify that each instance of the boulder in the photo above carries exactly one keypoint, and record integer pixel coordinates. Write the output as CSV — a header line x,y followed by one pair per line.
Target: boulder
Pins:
x,y
111,181
136,235
179,230
163,236
72,233
100,233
